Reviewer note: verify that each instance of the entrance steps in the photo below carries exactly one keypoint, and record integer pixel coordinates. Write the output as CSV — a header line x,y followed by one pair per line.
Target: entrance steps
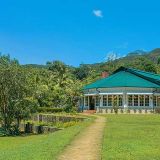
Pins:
x,y
89,111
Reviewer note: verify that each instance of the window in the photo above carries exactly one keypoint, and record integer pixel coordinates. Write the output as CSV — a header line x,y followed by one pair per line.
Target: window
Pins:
x,y
86,101
114,100
141,100
130,100
155,101
120,100
146,101
138,100
104,100
158,101
110,100
135,100
97,101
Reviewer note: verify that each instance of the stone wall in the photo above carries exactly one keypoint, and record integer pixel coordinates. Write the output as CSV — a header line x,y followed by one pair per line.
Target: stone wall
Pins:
x,y
47,118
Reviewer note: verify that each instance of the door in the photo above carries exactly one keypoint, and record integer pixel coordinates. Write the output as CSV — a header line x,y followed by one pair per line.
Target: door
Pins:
x,y
91,103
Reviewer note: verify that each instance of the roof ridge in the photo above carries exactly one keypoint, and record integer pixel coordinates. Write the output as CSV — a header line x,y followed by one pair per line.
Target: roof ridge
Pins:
x,y
153,80
145,72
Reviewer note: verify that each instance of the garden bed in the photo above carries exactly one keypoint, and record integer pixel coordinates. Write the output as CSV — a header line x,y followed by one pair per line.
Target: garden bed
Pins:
x,y
47,123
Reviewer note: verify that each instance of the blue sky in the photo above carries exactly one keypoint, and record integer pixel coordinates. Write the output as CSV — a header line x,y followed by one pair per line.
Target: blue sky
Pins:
x,y
77,31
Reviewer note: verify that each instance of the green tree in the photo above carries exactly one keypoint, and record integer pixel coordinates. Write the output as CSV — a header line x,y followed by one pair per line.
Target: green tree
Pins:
x,y
16,98
59,70
82,72
73,94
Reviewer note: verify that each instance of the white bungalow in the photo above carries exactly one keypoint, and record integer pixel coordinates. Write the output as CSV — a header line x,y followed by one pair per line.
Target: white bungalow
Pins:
x,y
129,89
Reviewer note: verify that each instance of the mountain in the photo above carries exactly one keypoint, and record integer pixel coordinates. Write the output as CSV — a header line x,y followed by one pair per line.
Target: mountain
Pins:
x,y
154,55
139,59
34,66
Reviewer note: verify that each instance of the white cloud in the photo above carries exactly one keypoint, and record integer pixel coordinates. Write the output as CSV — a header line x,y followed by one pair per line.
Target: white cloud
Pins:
x,y
111,56
98,13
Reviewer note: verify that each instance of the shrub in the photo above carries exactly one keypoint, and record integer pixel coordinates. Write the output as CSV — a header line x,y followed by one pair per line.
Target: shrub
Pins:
x,y
128,111
157,110
2,132
12,131
140,111
146,111
66,124
49,110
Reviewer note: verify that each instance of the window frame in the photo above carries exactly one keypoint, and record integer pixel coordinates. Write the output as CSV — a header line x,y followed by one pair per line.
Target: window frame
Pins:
x,y
86,101
97,101
146,104
105,100
110,103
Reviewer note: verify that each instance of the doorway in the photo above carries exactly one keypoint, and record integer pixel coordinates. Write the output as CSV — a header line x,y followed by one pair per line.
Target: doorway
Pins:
x,y
91,103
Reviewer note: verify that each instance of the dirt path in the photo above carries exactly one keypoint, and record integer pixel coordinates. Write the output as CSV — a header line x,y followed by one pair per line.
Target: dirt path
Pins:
x,y
88,144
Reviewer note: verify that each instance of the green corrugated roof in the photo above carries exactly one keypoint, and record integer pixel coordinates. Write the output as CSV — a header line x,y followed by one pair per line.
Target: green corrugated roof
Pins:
x,y
146,74
127,77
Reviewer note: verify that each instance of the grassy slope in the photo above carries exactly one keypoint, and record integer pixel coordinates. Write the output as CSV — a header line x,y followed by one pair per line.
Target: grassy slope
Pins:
x,y
132,137
41,147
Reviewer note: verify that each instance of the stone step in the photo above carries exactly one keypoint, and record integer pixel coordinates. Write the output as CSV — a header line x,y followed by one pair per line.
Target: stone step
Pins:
x,y
89,111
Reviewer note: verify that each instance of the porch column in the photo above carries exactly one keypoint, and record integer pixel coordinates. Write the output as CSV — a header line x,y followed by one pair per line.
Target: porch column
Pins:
x,y
84,103
101,100
88,103
151,105
125,104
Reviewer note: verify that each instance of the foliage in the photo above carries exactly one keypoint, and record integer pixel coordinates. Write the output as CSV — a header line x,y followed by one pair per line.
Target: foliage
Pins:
x,y
16,101
58,124
49,110
157,110
82,72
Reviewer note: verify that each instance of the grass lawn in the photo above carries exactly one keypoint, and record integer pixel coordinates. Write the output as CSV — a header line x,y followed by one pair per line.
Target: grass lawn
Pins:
x,y
132,137
38,147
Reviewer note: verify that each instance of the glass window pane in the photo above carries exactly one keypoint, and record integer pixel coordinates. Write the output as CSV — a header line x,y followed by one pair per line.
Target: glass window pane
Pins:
x,y
104,100
135,100
120,100
97,101
158,101
141,100
147,101
130,100
110,100
155,101
115,102
86,101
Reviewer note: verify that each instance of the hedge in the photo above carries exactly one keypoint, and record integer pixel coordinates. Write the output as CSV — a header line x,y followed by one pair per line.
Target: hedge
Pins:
x,y
49,110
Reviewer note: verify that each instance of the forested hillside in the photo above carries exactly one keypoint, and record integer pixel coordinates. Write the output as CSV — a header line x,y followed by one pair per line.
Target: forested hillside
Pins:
x,y
139,59
147,61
